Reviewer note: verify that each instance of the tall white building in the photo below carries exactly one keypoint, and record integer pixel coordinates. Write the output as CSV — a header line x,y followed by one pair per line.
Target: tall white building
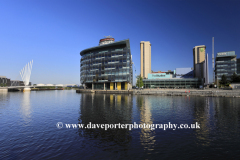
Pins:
x,y
145,52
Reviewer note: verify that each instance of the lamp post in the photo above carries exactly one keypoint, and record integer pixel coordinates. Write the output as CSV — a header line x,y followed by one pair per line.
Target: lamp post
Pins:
x,y
139,82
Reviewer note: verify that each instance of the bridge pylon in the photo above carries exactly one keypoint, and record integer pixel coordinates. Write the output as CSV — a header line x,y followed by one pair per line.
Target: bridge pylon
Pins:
x,y
25,75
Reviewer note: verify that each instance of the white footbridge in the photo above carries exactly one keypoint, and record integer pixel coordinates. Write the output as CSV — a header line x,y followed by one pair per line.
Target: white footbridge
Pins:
x,y
25,74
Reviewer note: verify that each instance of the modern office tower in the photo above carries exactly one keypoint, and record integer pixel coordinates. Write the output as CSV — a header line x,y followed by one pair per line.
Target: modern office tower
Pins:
x,y
145,51
199,53
238,66
226,64
107,66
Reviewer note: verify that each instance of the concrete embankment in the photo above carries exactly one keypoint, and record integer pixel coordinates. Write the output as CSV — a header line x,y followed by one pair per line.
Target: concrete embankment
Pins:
x,y
182,92
45,89
170,92
105,91
3,89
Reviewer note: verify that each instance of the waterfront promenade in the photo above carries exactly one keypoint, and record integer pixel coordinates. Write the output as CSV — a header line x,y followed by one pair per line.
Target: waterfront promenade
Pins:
x,y
3,89
170,92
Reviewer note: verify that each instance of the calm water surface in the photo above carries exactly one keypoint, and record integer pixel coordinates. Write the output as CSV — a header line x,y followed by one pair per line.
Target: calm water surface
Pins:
x,y
28,126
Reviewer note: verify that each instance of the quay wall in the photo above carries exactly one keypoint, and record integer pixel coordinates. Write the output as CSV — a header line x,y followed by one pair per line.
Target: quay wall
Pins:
x,y
105,91
175,92
169,92
3,89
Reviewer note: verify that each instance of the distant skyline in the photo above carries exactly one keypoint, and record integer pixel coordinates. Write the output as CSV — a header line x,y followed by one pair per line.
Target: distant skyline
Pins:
x,y
53,33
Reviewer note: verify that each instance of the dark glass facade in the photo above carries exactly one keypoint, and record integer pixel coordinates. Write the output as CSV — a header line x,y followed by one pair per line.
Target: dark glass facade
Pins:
x,y
226,64
106,64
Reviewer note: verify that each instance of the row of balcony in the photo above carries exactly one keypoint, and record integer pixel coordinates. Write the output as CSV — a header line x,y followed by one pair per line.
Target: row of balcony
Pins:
x,y
106,53
100,65
112,71
105,67
225,62
106,59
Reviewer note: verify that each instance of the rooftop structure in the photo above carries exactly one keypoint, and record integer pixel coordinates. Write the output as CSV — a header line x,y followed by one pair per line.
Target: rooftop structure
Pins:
x,y
106,40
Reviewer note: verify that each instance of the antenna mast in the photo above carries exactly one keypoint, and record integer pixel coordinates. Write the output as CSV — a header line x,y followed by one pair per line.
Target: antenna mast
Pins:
x,y
213,57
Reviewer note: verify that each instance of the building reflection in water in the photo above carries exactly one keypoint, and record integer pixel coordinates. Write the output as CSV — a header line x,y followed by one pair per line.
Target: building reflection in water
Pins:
x,y
201,107
106,109
25,109
217,116
227,115
147,136
4,96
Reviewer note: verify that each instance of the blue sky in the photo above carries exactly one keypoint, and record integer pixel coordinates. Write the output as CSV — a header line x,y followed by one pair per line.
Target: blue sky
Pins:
x,y
53,32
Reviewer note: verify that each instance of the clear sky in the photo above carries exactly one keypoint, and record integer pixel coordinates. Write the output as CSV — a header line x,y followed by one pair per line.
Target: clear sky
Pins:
x,y
53,32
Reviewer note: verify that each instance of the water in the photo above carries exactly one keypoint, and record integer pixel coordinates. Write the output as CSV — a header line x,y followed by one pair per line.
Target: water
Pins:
x,y
28,126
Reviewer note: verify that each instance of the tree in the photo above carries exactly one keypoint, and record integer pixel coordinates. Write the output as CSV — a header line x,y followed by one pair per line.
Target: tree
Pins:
x,y
139,81
234,77
223,80
238,78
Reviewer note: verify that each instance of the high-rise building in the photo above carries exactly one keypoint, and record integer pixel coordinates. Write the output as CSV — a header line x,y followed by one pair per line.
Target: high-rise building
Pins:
x,y
145,51
199,54
226,64
107,66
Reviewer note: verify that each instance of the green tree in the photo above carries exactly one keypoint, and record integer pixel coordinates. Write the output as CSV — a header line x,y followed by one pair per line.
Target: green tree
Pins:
x,y
234,77
223,80
238,78
139,81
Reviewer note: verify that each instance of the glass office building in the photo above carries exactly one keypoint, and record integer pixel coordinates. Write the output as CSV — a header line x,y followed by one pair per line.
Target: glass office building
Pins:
x,y
226,64
107,66
173,83
179,78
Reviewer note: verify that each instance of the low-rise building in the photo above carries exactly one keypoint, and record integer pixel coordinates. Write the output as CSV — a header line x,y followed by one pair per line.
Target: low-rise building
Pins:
x,y
160,75
184,73
173,83
4,81
18,83
179,78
